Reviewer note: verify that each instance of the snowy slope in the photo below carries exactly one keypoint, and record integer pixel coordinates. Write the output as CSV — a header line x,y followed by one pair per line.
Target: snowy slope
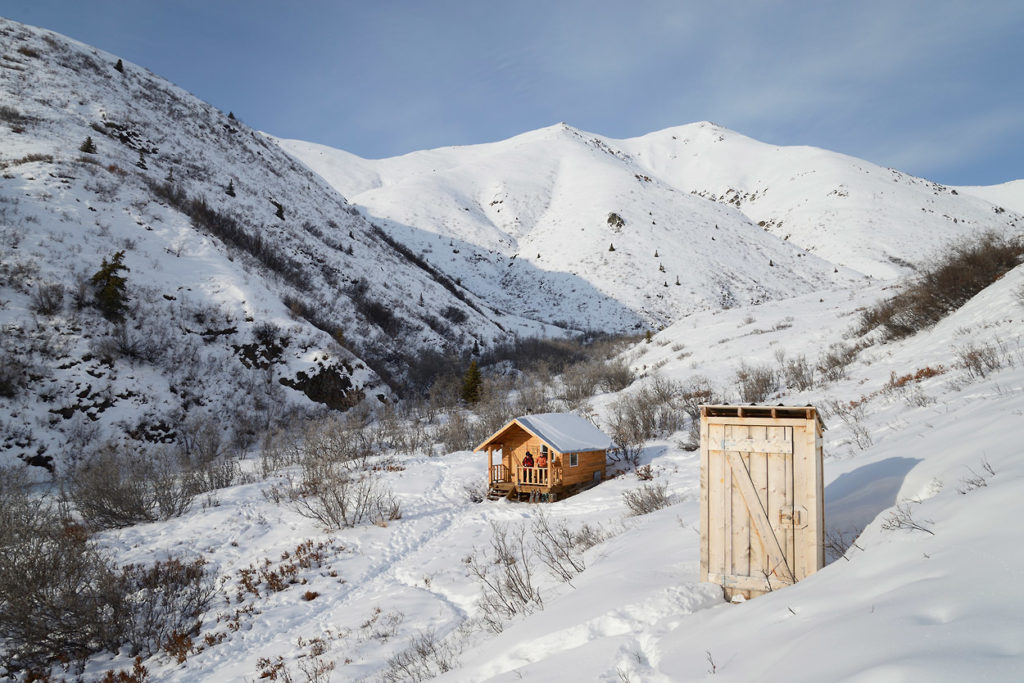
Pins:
x,y
1006,195
902,604
527,223
207,269
846,210
515,218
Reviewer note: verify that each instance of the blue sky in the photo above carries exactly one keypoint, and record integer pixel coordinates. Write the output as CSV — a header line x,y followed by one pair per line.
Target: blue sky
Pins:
x,y
933,88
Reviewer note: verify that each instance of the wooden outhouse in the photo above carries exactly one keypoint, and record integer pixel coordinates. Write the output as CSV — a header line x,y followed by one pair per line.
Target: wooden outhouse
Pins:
x,y
568,454
762,499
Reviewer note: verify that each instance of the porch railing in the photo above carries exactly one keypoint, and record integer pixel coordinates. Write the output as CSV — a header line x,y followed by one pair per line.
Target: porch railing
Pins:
x,y
499,473
537,476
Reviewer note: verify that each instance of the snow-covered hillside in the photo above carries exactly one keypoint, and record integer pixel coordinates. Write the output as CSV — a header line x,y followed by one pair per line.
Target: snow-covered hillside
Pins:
x,y
254,287
939,449
525,220
1005,195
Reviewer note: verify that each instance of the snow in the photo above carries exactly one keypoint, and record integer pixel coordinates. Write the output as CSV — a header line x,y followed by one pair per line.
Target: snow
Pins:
x,y
898,604
566,432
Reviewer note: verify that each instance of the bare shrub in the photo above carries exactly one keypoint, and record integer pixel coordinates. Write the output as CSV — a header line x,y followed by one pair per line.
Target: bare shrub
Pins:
x,y
756,383
505,576
903,518
797,373
62,599
852,414
646,499
976,480
981,360
458,433
48,299
658,408
424,658
555,545
838,543
967,267
832,362
340,495
116,489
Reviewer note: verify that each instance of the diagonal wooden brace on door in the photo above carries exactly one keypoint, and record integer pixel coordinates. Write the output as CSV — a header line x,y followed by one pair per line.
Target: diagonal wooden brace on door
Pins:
x,y
759,517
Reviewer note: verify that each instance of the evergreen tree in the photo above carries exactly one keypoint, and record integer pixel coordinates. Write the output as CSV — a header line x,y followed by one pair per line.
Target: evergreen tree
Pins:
x,y
141,163
119,66
230,191
88,147
471,384
611,247
110,287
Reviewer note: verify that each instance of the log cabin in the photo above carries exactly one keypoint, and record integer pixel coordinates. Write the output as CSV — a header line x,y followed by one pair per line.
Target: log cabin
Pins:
x,y
568,454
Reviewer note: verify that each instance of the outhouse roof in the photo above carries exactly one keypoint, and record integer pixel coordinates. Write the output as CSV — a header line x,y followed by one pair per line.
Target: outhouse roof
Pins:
x,y
564,432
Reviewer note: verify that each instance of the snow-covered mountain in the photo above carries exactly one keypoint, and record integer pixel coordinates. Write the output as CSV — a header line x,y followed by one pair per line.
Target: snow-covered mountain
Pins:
x,y
254,287
237,316
780,221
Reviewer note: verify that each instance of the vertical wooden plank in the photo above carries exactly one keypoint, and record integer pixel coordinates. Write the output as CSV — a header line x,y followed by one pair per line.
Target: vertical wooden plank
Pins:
x,y
741,528
788,531
718,498
806,495
704,500
730,521
759,467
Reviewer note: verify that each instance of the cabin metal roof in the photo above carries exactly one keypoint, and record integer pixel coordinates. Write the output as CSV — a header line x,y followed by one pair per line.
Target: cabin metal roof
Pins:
x,y
564,432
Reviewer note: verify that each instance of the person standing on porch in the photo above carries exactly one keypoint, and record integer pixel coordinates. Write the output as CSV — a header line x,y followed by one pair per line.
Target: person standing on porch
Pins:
x,y
528,459
542,460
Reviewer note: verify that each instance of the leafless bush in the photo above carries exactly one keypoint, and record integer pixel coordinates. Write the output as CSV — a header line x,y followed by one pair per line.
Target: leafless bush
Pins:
x,y
425,658
968,266
556,547
167,600
657,408
832,363
341,495
212,476
48,299
981,360
976,480
903,518
505,576
62,599
200,440
646,499
586,537
797,373
458,433
838,543
852,414
116,489
756,383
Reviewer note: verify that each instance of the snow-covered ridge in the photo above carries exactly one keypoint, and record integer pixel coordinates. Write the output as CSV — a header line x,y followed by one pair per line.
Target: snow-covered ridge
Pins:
x,y
223,235
545,196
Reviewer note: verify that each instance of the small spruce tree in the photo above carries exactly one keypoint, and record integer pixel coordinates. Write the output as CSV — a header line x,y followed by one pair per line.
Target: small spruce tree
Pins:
x,y
119,66
677,280
110,296
661,267
88,147
611,247
141,163
471,384
230,191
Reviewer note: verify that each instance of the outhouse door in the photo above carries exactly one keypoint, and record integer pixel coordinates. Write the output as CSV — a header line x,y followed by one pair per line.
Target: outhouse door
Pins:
x,y
754,528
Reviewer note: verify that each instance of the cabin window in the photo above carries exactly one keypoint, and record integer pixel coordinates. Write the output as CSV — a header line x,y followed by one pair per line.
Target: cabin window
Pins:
x,y
544,450
574,459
